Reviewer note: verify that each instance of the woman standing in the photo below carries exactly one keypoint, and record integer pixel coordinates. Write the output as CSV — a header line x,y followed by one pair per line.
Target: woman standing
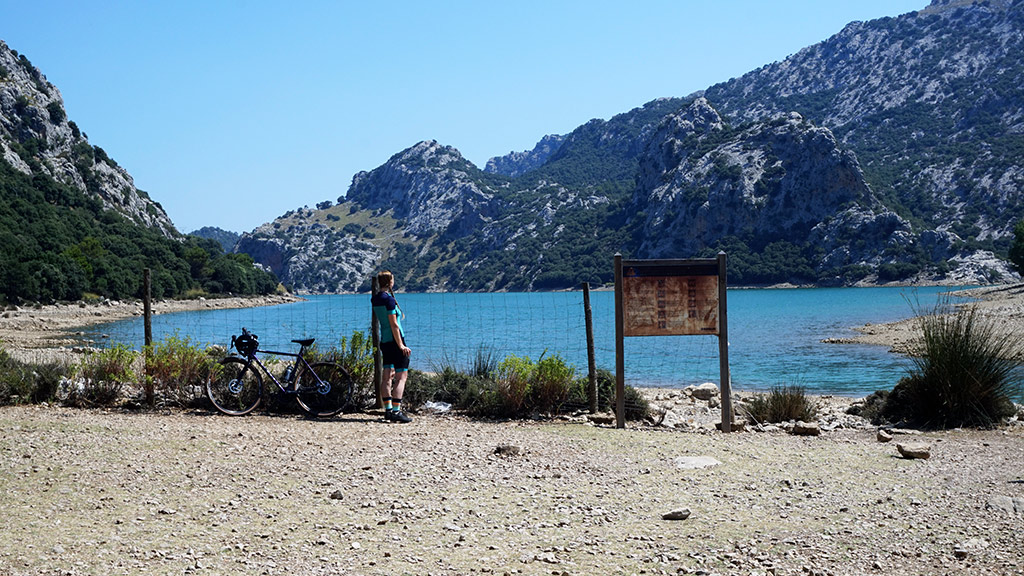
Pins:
x,y
392,348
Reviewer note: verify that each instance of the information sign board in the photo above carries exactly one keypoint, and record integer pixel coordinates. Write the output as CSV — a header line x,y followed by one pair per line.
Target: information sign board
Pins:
x,y
663,300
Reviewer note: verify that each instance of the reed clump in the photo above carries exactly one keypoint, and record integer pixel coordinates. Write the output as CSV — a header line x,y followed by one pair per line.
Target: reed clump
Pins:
x,y
781,404
964,374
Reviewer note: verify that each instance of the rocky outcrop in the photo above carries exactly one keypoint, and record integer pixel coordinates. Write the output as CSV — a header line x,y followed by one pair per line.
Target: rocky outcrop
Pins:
x,y
429,186
783,180
518,163
312,256
37,137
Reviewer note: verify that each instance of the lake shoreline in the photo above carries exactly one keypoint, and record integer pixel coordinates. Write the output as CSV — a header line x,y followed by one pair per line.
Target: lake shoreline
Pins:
x,y
1003,305
47,333
52,333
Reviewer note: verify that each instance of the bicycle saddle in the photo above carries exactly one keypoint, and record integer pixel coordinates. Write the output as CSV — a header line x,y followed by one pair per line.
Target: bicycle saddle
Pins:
x,y
304,342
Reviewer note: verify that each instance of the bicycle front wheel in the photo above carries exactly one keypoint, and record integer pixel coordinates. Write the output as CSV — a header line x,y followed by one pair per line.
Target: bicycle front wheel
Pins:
x,y
235,387
328,395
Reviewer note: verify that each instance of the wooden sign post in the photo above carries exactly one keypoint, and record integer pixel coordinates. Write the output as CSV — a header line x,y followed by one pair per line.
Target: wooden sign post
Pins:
x,y
671,298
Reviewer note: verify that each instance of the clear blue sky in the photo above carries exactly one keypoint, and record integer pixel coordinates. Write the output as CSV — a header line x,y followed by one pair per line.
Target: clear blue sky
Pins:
x,y
230,113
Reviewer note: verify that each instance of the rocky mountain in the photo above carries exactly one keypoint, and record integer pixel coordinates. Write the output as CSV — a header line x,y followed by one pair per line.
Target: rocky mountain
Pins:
x,y
889,152
72,222
783,182
36,137
930,102
308,252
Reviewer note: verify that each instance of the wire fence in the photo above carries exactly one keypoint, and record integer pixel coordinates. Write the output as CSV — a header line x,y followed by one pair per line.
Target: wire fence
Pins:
x,y
446,329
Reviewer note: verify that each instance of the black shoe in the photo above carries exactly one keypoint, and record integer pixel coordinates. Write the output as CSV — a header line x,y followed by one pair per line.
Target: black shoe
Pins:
x,y
400,417
389,415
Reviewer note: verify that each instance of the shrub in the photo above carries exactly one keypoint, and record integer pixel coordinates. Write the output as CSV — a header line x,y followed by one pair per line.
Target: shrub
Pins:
x,y
871,408
47,378
21,382
552,380
514,383
515,387
102,376
783,403
16,382
579,398
466,392
355,354
637,407
485,363
178,370
963,374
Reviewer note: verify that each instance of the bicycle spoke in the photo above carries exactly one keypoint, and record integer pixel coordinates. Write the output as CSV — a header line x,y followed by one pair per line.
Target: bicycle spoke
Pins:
x,y
329,395
235,387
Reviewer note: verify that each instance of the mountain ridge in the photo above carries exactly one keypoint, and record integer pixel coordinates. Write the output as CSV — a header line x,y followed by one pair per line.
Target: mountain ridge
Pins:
x,y
72,223
819,169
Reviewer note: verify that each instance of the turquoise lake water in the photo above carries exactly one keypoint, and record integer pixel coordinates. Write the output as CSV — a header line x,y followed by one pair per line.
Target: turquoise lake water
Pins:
x,y
775,335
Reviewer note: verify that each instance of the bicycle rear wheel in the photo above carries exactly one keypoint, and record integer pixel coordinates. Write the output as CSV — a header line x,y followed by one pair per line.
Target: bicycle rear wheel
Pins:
x,y
328,396
235,388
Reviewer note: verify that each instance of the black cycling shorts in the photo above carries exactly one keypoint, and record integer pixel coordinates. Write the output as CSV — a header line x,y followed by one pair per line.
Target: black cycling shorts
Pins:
x,y
393,357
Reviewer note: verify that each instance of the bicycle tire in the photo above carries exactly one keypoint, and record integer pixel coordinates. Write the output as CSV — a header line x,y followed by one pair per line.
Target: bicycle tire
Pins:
x,y
332,400
236,387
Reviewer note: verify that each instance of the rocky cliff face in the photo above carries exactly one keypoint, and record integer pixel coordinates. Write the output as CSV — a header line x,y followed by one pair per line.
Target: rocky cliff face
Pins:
x,y
36,136
307,253
430,187
784,180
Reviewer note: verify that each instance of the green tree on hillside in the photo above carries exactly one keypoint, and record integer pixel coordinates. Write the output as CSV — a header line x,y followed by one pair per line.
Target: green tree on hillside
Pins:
x,y
57,243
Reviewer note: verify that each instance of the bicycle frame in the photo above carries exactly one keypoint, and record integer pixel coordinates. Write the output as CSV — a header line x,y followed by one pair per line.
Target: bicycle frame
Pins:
x,y
300,364
239,388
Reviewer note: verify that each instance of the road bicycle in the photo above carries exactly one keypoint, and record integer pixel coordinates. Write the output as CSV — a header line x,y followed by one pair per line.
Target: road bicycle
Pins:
x,y
322,389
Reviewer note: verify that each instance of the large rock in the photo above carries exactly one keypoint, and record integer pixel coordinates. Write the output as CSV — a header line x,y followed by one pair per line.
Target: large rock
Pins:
x,y
678,514
806,429
695,462
914,451
705,391
1007,504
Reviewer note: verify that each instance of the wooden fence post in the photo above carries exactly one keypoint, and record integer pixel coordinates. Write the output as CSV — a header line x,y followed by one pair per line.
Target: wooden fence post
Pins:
x,y
620,348
725,379
147,323
591,363
378,362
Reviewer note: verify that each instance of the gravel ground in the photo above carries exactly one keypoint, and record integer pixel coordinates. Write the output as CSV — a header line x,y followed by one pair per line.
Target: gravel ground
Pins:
x,y
116,492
